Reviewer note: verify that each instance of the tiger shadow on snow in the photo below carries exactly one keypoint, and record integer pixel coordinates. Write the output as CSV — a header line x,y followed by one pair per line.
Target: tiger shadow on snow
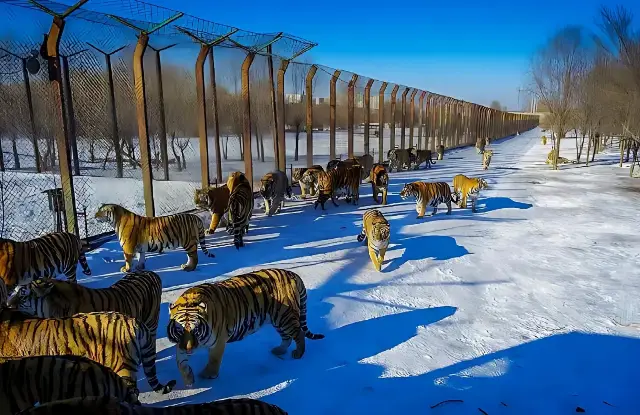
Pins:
x,y
248,366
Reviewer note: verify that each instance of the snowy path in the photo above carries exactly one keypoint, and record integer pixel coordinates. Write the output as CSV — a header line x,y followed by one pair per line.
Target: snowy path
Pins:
x,y
514,309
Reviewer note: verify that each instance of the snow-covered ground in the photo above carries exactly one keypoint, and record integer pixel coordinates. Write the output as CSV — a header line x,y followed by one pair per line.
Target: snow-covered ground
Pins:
x,y
525,307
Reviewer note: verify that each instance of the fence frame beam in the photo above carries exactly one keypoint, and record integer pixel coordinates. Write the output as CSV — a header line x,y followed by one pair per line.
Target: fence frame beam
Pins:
x,y
309,112
383,87
350,113
367,114
392,127
246,117
272,95
201,97
332,114
164,149
412,114
282,150
403,122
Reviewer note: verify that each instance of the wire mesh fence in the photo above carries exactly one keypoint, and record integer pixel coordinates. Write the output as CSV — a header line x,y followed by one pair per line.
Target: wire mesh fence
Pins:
x,y
153,104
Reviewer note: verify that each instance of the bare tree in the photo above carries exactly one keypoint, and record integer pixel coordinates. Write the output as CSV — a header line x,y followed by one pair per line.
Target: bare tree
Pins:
x,y
557,69
495,104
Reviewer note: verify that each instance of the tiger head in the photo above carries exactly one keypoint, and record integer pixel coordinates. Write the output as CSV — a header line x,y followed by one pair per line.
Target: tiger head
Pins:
x,y
267,186
107,213
381,231
298,173
409,189
482,184
189,319
51,295
309,178
201,198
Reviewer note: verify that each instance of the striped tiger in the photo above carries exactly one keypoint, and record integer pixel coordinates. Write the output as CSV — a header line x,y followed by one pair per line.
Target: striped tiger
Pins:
x,y
399,158
215,200
376,231
137,294
366,161
110,406
431,194
112,339
4,294
273,187
308,180
486,158
379,179
466,187
212,315
422,156
142,234
31,380
47,256
240,207
332,164
333,181
561,160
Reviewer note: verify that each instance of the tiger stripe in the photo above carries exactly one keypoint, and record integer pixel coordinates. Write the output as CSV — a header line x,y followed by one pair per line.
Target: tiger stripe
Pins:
x,y
379,179
215,200
376,231
332,181
141,234
240,207
214,314
30,380
468,188
112,339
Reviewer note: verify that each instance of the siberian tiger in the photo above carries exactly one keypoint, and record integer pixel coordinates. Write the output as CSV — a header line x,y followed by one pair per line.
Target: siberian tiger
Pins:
x,y
333,181
45,257
431,194
273,187
376,230
112,339
379,179
480,145
422,156
212,315
486,158
138,294
240,207
37,380
399,158
110,406
561,160
308,181
332,164
142,234
465,187
215,200
4,294
366,161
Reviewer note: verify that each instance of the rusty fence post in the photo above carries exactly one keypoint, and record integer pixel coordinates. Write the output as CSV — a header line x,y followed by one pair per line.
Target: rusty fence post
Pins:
x,y
246,117
392,127
412,115
32,121
332,114
420,119
115,135
350,114
164,151
282,151
383,87
309,118
272,92
367,114
202,115
71,116
403,121
216,119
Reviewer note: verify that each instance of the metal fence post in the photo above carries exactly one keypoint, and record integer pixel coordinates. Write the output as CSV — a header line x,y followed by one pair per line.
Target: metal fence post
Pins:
x,y
272,92
71,116
164,152
246,117
392,127
216,120
282,151
367,114
332,114
381,122
420,118
32,121
309,92
350,114
403,122
202,115
412,115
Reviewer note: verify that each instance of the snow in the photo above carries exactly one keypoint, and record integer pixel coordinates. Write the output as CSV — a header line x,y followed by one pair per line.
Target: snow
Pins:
x,y
526,306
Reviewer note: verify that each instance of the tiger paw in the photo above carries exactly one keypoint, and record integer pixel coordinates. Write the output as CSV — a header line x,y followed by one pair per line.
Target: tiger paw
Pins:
x,y
124,269
208,374
279,351
187,267
209,232
188,378
297,354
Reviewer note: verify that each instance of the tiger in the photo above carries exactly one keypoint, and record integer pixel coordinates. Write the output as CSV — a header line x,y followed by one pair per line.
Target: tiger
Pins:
x,y
309,181
486,158
215,200
431,194
41,379
112,339
379,179
366,161
4,294
105,405
561,160
376,230
212,315
422,156
47,256
466,187
544,140
240,207
480,145
399,158
332,164
333,181
138,294
273,187
142,234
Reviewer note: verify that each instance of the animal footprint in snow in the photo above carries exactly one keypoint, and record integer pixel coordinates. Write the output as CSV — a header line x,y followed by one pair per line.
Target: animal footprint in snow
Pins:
x,y
108,260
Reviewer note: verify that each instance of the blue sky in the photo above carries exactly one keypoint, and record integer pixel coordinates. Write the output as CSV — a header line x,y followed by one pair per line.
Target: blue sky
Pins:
x,y
473,50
